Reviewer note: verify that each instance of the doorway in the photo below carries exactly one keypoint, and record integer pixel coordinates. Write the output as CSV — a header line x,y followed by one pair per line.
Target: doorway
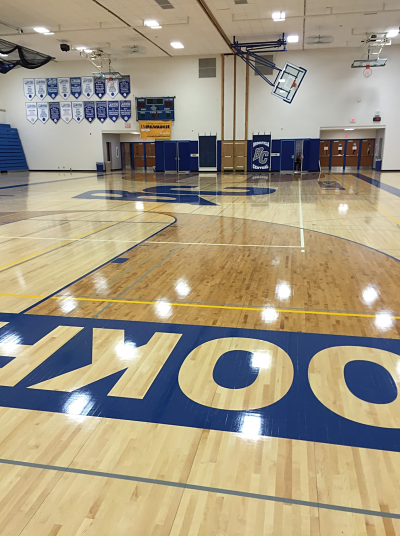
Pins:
x,y
126,155
287,155
177,156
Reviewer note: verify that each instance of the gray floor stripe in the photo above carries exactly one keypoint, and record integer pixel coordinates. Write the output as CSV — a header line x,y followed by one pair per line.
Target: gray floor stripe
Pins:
x,y
194,487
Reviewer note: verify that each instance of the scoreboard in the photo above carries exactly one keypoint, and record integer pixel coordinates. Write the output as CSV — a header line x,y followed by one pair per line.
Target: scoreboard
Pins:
x,y
155,108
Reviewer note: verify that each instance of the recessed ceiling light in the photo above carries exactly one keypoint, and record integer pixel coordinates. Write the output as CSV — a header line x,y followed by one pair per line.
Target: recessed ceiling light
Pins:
x,y
49,33
278,15
349,129
156,27
151,23
392,33
40,29
292,38
177,44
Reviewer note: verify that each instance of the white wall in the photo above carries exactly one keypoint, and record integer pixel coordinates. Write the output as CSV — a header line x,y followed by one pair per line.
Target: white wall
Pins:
x,y
331,94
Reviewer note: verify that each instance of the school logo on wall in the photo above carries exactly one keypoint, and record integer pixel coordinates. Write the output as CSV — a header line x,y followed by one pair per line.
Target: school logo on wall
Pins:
x,y
261,153
321,388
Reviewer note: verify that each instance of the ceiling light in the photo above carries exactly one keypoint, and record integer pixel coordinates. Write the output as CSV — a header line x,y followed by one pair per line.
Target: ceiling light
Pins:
x,y
292,39
80,48
278,15
176,44
156,27
88,50
40,29
49,33
392,33
151,23
3,55
349,128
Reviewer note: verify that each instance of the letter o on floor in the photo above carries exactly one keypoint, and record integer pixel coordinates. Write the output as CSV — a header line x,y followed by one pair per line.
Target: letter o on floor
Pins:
x,y
327,380
274,378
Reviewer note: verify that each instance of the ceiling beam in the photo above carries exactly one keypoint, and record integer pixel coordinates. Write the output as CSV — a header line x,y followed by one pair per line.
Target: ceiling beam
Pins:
x,y
214,22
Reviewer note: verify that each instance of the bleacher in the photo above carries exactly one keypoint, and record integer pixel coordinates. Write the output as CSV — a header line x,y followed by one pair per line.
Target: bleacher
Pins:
x,y
12,156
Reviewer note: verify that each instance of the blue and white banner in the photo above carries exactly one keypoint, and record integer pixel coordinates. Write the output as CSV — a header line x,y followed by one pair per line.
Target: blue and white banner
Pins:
x,y
87,86
29,88
261,152
112,87
66,111
101,111
76,87
43,111
31,112
125,86
125,110
100,88
64,87
89,111
40,88
52,87
113,110
77,111
54,108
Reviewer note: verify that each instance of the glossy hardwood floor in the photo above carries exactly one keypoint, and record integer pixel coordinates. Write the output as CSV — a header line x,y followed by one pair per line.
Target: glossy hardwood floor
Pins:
x,y
200,354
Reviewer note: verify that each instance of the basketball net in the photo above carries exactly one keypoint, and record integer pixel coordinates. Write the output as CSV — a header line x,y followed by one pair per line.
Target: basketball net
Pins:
x,y
367,71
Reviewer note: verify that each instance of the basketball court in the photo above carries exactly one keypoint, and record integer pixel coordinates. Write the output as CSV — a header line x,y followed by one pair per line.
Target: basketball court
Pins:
x,y
202,351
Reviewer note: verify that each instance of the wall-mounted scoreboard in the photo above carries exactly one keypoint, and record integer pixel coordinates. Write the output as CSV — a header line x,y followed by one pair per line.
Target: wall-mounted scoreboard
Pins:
x,y
155,108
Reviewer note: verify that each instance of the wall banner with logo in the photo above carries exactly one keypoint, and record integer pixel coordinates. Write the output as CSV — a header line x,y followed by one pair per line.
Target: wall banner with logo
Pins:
x,y
89,111
52,87
66,111
125,110
31,112
77,111
29,88
113,110
43,111
99,88
101,111
261,152
125,86
54,108
64,87
40,88
76,87
158,130
88,86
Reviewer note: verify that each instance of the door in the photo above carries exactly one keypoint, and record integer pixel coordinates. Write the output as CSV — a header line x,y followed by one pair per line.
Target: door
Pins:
x,y
170,156
227,156
287,155
367,153
126,155
352,153
337,159
150,154
240,155
138,155
324,153
184,156
207,153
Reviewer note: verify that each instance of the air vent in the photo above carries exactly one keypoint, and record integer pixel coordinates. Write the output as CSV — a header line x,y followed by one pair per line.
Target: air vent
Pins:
x,y
241,2
207,68
165,4
266,71
319,39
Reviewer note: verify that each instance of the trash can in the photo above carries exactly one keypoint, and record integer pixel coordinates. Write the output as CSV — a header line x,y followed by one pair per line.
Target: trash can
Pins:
x,y
100,167
378,164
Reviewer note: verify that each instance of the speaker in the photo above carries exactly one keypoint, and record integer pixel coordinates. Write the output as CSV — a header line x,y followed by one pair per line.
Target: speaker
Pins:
x,y
64,47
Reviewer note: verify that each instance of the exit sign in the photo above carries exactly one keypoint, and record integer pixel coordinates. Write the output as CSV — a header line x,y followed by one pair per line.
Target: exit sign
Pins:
x,y
377,118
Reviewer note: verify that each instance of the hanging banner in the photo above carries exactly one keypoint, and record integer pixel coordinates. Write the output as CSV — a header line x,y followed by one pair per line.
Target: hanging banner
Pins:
x,y
52,87
77,111
113,110
261,152
66,111
125,110
29,88
112,87
40,88
88,109
76,87
54,109
100,88
31,112
158,130
101,111
87,86
125,86
64,87
43,111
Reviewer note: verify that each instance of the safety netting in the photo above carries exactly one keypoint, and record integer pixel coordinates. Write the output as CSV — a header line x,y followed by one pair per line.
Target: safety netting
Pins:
x,y
12,55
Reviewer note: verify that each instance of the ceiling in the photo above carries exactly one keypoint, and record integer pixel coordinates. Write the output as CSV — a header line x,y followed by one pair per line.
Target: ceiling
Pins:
x,y
116,25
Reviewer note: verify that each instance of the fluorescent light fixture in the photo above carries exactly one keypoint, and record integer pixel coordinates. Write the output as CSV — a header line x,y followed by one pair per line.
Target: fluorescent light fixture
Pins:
x,y
3,55
278,15
156,27
41,29
176,44
392,33
292,39
49,33
349,129
151,23
80,48
88,50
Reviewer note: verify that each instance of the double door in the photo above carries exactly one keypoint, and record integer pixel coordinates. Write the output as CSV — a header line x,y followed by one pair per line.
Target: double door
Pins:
x,y
144,155
234,155
346,154
177,156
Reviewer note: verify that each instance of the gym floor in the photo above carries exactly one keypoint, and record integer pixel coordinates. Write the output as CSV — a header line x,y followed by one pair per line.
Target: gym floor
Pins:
x,y
199,354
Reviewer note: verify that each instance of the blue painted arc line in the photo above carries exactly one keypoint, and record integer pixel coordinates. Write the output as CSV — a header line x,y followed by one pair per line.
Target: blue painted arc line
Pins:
x,y
391,189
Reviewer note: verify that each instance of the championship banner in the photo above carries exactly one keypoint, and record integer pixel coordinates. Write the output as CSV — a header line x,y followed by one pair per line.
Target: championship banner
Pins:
x,y
43,111
113,110
41,87
99,88
52,87
89,111
158,130
64,87
29,88
76,87
261,152
77,111
66,111
31,112
125,110
88,86
125,86
101,111
54,108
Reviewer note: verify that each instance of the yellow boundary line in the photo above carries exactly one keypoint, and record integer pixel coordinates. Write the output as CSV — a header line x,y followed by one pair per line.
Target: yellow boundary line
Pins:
x,y
397,222
198,305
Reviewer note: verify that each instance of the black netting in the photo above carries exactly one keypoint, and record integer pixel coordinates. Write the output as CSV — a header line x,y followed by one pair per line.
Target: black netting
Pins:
x,y
12,56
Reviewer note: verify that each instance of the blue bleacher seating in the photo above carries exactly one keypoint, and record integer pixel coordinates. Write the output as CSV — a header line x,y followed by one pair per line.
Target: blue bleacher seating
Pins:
x,y
12,156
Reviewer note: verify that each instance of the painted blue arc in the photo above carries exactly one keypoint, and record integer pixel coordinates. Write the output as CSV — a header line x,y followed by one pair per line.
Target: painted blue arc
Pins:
x,y
370,382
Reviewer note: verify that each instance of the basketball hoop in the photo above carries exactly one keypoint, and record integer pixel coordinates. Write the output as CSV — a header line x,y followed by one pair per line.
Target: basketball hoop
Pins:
x,y
368,71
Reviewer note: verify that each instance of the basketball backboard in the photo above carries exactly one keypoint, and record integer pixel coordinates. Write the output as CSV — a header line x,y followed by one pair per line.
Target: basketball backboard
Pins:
x,y
288,81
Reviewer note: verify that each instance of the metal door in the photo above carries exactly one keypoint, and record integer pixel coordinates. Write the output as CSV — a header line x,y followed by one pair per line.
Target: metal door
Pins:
x,y
170,156
184,156
287,155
